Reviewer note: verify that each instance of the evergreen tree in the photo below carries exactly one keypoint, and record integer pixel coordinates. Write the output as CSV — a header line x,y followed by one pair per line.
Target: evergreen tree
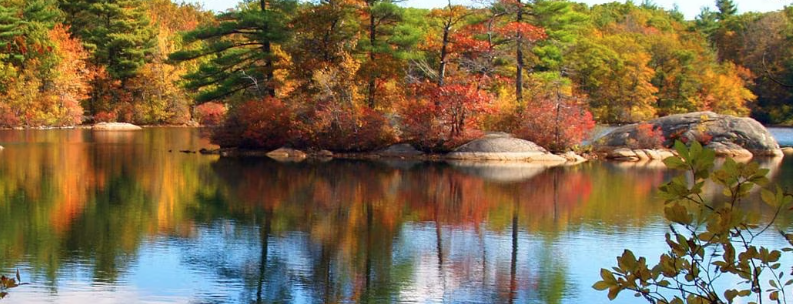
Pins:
x,y
707,21
24,28
10,29
117,31
726,8
564,26
240,48
383,20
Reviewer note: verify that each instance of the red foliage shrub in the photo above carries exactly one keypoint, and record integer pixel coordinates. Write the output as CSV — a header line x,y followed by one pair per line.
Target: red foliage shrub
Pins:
x,y
345,129
439,119
265,124
555,126
647,137
210,113
105,116
8,118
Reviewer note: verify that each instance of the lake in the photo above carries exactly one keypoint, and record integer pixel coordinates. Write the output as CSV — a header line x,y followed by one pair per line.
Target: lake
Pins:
x,y
123,217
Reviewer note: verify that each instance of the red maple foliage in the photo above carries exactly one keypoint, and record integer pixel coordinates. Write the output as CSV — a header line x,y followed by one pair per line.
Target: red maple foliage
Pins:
x,y
557,126
647,137
439,119
526,31
106,116
210,113
264,124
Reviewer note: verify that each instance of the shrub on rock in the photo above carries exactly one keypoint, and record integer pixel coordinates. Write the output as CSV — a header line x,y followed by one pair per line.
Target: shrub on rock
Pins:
x,y
265,124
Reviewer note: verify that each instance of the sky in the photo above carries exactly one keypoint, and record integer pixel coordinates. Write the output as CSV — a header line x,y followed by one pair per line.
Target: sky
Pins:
x,y
689,7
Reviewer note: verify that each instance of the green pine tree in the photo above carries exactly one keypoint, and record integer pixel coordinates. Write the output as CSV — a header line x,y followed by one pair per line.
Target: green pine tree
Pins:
x,y
240,51
117,31
726,8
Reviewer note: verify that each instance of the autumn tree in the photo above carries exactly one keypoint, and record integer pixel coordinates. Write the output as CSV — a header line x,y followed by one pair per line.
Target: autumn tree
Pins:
x,y
162,99
325,34
451,20
614,72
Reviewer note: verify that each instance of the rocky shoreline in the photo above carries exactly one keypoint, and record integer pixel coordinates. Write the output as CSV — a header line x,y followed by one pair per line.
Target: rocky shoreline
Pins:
x,y
492,148
736,137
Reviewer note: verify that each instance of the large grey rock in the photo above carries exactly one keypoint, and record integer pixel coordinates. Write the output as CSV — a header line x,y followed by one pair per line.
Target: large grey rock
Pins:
x,y
115,126
730,135
503,147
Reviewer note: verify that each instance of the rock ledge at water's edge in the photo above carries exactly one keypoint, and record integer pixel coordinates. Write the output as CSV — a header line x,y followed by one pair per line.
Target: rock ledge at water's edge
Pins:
x,y
115,126
731,136
500,147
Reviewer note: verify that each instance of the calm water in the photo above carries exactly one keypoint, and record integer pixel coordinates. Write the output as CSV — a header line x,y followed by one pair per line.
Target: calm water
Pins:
x,y
117,218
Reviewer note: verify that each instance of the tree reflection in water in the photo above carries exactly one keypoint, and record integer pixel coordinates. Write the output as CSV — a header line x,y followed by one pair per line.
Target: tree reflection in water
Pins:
x,y
260,231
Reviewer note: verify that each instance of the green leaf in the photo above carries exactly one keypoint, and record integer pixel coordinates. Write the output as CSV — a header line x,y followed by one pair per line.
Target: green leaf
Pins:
x,y
768,197
678,214
674,163
682,150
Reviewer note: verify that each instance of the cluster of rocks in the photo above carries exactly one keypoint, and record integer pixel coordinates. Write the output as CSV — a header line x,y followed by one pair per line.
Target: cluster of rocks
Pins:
x,y
736,137
493,147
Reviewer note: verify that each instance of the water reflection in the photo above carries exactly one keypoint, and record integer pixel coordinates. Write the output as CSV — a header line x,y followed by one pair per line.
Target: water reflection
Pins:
x,y
119,216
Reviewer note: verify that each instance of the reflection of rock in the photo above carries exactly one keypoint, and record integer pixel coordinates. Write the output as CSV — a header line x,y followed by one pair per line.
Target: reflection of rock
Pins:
x,y
503,147
787,150
115,126
635,155
641,164
503,172
206,151
727,135
322,154
287,154
114,137
572,158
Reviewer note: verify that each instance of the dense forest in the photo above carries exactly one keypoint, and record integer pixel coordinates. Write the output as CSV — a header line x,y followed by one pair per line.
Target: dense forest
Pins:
x,y
352,75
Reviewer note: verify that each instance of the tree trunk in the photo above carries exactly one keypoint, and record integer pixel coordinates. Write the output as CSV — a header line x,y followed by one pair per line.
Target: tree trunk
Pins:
x,y
447,27
268,65
519,75
372,41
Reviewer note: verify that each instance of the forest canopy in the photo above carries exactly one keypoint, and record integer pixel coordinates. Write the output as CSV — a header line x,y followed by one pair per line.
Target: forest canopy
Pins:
x,y
356,74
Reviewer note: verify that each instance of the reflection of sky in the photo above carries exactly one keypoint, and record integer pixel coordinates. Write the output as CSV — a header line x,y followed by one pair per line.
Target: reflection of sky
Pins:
x,y
476,266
